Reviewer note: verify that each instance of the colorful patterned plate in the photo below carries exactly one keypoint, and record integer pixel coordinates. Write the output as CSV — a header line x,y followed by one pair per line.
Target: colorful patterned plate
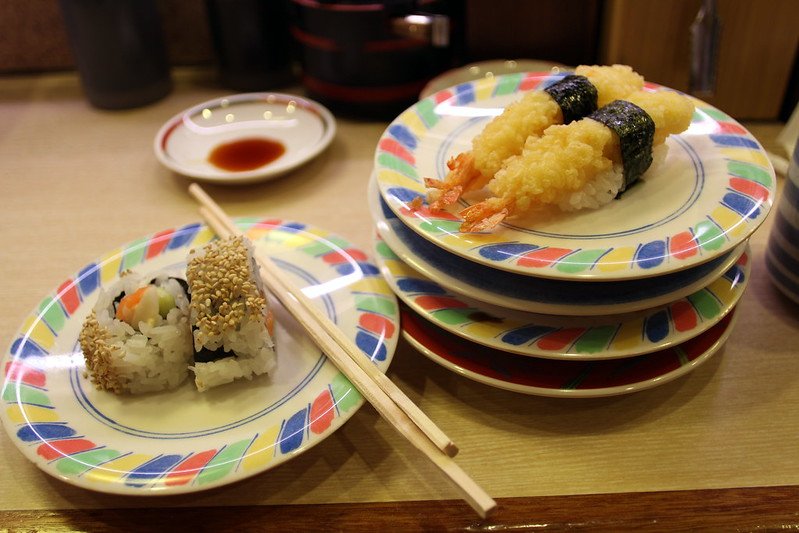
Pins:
x,y
540,295
565,379
486,69
715,188
182,440
563,337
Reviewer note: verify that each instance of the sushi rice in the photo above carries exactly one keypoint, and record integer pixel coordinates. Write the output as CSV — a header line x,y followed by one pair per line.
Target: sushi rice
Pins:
x,y
606,185
150,356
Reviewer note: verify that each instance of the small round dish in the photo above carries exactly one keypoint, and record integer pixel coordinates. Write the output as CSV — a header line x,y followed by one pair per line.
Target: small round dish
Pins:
x,y
715,187
265,135
183,440
565,337
562,379
539,295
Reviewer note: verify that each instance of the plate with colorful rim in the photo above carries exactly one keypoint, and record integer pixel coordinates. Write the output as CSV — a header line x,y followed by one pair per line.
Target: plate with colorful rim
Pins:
x,y
540,295
487,69
244,138
714,189
564,337
564,379
130,444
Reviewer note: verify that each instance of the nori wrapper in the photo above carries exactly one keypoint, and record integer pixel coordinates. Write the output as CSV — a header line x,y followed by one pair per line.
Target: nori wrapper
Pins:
x,y
575,95
636,131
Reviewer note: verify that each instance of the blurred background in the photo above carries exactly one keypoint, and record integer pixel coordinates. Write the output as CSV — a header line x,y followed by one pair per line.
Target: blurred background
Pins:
x,y
755,63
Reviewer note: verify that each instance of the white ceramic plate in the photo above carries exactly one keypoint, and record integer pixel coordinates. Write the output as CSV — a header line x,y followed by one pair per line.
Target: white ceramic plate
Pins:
x,y
183,440
539,295
563,379
302,127
565,337
714,189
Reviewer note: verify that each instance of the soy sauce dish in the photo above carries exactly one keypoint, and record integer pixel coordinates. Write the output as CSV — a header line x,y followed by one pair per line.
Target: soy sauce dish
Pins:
x,y
244,138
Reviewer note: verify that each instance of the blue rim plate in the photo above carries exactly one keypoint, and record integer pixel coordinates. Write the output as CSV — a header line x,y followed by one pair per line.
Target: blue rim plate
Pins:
x,y
183,440
714,189
562,379
565,337
539,295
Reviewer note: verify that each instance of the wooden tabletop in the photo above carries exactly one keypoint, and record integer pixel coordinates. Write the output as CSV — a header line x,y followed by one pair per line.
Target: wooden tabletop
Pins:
x,y
714,449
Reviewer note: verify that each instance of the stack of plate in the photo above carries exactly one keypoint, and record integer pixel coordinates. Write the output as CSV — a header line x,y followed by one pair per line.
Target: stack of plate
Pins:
x,y
592,303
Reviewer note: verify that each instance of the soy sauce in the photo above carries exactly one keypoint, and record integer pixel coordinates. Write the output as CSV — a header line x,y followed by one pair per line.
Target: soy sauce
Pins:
x,y
246,154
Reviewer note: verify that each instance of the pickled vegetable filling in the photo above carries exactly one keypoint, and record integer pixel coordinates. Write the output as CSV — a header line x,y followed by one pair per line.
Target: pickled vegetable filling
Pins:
x,y
145,304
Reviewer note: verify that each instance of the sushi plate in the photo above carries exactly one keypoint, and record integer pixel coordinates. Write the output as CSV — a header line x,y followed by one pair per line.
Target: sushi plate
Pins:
x,y
134,445
564,379
564,337
263,135
486,69
715,188
540,295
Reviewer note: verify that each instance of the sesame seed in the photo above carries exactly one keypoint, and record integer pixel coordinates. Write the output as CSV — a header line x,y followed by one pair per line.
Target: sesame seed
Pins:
x,y
223,294
99,356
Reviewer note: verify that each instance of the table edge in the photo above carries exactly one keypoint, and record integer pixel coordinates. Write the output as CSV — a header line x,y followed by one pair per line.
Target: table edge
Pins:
x,y
748,508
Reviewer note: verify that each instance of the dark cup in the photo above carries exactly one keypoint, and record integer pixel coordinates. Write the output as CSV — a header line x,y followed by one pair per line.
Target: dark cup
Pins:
x,y
252,43
119,51
372,58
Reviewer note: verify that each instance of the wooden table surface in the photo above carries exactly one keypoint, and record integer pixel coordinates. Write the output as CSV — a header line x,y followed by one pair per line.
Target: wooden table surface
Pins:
x,y
714,449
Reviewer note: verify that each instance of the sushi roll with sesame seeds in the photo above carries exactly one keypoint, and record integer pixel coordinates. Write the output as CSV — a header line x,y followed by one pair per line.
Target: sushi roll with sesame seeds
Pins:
x,y
137,338
230,318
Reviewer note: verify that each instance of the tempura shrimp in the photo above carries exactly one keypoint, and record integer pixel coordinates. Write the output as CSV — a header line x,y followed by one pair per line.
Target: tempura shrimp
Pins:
x,y
506,134
580,165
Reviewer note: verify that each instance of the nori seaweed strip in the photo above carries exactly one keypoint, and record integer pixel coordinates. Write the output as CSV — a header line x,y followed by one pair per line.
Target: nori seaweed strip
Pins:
x,y
636,131
116,301
575,95
184,285
206,355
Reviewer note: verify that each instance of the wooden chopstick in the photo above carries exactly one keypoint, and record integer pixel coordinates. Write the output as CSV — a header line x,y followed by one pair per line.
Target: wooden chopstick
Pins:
x,y
385,404
275,276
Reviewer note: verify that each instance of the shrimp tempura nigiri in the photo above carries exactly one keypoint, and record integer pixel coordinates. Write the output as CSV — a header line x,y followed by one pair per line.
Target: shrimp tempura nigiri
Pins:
x,y
506,134
575,166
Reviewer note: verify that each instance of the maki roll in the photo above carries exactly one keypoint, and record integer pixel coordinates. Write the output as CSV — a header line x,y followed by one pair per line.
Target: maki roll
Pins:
x,y
145,336
573,97
230,318
138,337
586,163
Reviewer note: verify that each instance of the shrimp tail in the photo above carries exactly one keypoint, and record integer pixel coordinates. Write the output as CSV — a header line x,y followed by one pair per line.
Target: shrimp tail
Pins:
x,y
462,177
485,215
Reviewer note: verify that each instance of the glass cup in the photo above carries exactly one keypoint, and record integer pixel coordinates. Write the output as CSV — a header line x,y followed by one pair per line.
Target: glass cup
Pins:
x,y
782,254
252,43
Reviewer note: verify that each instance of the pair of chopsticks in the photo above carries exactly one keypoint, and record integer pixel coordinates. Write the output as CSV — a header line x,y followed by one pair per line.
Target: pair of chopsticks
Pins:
x,y
389,401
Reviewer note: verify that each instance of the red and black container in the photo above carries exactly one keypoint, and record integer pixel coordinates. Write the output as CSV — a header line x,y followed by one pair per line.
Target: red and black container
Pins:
x,y
370,58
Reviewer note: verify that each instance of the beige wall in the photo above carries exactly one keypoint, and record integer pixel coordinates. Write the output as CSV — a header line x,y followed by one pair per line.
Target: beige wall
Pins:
x,y
32,35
